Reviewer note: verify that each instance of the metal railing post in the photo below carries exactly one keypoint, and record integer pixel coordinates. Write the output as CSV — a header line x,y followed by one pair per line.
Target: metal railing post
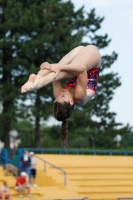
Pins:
x,y
58,168
44,166
65,178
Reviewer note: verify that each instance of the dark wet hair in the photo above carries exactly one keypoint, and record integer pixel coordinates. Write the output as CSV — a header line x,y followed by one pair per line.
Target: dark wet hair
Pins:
x,y
62,112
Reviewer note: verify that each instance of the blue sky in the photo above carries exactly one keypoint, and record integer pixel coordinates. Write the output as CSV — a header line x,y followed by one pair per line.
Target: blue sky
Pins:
x,y
118,24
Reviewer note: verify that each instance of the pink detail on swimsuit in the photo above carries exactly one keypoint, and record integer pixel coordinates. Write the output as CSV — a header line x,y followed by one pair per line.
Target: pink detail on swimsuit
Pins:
x,y
92,77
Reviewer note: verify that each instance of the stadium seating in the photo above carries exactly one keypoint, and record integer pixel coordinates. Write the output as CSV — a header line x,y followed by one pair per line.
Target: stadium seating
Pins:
x,y
96,177
48,188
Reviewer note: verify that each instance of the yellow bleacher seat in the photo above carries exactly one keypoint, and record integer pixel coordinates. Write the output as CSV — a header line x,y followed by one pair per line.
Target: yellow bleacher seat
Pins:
x,y
98,177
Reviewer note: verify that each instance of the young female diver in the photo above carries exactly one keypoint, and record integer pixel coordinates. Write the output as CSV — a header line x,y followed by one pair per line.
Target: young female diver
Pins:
x,y
82,65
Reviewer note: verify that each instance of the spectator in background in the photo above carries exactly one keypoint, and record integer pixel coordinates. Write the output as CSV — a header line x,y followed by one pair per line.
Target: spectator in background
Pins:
x,y
9,168
33,169
25,162
5,192
22,183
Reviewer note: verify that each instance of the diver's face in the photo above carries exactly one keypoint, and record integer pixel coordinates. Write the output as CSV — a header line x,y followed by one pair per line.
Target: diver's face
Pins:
x,y
64,96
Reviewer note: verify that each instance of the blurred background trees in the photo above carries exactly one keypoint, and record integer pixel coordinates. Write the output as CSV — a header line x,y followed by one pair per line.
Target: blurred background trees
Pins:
x,y
32,32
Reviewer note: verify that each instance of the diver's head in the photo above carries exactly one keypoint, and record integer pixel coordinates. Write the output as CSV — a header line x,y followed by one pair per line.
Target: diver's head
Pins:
x,y
64,96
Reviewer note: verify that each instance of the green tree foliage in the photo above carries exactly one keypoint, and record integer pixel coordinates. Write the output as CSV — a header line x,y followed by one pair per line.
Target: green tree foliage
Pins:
x,y
32,32
25,132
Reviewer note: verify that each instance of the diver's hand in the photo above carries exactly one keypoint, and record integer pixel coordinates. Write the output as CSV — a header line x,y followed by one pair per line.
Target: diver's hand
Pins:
x,y
45,65
56,69
52,68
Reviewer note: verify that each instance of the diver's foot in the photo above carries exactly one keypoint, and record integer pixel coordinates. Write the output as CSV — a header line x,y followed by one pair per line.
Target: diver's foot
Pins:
x,y
29,85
